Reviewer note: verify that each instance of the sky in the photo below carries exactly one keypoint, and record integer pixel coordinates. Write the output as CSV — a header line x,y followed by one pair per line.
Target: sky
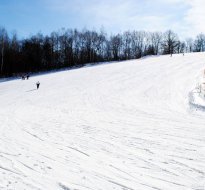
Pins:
x,y
28,17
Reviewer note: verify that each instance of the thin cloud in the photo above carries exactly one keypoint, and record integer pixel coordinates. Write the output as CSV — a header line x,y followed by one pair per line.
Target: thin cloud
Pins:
x,y
119,15
195,17
186,17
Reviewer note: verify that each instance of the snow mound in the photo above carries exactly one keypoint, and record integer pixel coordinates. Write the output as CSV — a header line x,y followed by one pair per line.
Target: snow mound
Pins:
x,y
197,96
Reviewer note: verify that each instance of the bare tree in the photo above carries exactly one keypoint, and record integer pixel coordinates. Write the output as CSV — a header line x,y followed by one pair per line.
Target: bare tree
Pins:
x,y
126,45
200,43
116,42
156,39
3,36
138,43
189,43
170,42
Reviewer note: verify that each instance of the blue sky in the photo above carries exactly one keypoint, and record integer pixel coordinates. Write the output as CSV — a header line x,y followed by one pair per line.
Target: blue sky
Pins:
x,y
27,17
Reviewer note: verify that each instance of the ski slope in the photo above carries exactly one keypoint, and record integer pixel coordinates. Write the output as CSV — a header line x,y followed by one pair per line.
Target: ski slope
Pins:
x,y
123,126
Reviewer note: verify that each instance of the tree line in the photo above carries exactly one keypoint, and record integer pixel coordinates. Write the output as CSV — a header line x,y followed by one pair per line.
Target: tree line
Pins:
x,y
74,48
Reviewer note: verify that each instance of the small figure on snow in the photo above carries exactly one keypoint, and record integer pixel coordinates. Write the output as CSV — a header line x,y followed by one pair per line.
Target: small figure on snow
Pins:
x,y
27,76
23,77
37,85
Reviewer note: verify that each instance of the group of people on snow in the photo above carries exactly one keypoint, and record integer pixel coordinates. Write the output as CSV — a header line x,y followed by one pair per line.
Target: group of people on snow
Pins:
x,y
23,77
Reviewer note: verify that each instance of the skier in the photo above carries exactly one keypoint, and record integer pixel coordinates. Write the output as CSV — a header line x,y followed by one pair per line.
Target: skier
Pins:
x,y
27,76
37,85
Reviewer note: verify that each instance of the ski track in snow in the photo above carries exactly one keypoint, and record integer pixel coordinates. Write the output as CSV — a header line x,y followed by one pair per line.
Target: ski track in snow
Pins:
x,y
121,126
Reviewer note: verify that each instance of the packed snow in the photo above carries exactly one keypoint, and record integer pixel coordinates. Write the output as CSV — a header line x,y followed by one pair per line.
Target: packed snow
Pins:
x,y
132,125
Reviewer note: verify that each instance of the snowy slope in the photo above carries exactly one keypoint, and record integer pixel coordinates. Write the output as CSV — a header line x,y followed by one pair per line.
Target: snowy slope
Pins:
x,y
123,126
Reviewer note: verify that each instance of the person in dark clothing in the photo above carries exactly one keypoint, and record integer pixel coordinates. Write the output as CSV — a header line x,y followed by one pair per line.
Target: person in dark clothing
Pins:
x,y
27,77
37,85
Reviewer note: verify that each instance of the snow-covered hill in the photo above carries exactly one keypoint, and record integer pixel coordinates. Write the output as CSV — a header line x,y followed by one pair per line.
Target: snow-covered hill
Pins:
x,y
125,126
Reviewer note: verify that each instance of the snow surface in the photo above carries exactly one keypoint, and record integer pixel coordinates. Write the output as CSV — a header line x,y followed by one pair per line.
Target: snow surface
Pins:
x,y
124,126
